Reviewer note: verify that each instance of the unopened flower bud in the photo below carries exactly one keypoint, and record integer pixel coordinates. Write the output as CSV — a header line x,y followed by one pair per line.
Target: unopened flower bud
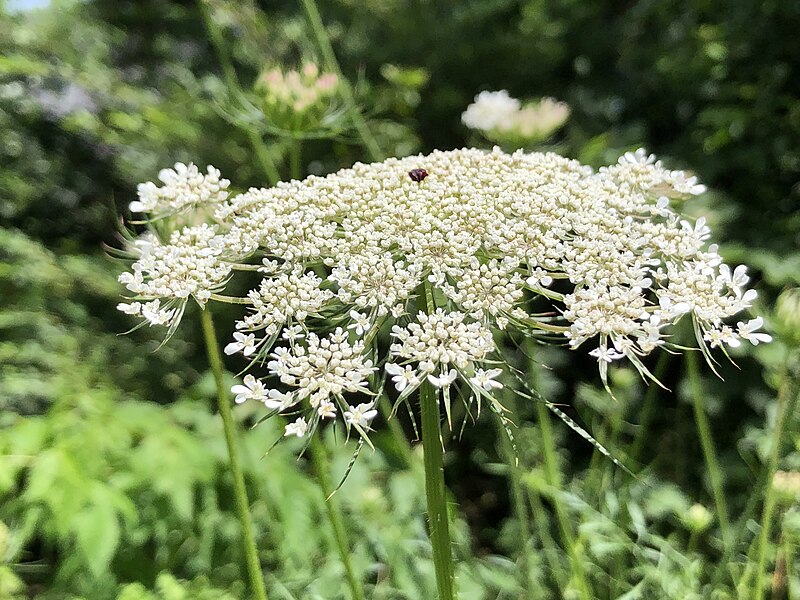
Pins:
x,y
697,519
787,485
787,316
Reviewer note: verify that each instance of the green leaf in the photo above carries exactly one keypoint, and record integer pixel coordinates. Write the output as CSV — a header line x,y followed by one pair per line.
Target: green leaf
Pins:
x,y
97,532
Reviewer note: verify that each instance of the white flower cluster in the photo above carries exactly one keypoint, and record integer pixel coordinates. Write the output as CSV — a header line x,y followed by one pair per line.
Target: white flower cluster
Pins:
x,y
376,281
323,369
443,250
486,289
502,118
491,110
188,266
184,188
441,340
287,296
643,170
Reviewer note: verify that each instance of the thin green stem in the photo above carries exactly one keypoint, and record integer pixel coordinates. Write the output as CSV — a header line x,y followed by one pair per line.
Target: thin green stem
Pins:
x,y
551,552
434,475
598,465
709,451
789,550
649,407
295,158
332,65
232,81
772,465
254,571
740,529
396,430
517,497
230,299
319,456
554,481
693,537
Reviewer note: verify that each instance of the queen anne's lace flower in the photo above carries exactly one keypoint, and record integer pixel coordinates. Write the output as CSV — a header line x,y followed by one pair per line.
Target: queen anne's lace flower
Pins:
x,y
246,344
298,428
528,242
184,187
253,389
322,369
288,296
190,265
442,338
485,379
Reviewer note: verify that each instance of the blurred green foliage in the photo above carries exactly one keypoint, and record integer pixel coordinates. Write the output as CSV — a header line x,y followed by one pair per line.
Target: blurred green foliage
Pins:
x,y
113,477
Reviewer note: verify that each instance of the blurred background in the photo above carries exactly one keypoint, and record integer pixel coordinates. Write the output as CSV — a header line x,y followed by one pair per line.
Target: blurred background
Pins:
x,y
113,477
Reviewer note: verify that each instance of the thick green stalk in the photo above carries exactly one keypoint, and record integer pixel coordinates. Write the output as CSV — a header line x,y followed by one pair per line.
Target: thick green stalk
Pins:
x,y
784,411
332,65
295,158
232,81
240,493
709,452
435,492
434,475
321,465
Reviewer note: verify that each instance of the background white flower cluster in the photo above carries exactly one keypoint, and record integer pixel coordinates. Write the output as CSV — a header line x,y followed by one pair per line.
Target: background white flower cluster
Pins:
x,y
502,118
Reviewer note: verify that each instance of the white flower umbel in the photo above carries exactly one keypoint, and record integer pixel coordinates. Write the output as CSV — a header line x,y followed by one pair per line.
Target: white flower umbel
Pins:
x,y
402,378
534,243
246,344
485,379
491,110
184,188
190,265
322,369
298,428
441,340
288,296
252,389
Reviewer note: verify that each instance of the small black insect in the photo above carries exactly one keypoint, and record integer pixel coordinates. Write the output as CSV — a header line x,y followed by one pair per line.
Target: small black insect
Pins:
x,y
417,174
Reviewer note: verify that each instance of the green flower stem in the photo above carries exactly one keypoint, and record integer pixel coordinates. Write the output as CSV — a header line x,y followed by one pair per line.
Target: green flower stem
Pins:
x,y
549,546
784,411
649,406
332,65
319,457
295,158
434,474
240,493
790,563
517,496
554,481
709,452
398,435
232,81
